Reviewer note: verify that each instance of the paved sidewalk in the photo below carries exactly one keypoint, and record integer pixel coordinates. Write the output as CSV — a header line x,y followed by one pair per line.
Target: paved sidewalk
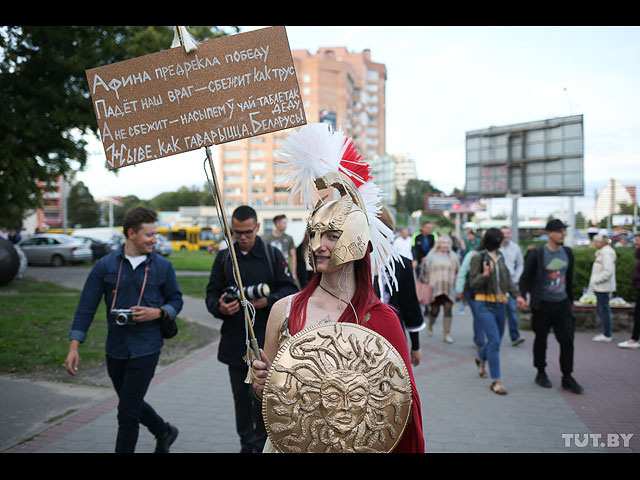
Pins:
x,y
460,413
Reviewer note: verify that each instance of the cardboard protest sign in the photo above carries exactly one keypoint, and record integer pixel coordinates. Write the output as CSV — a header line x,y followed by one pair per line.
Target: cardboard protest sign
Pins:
x,y
171,102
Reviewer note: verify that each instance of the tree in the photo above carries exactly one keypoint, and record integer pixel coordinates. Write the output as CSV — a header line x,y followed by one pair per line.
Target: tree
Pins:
x,y
183,197
126,204
82,209
413,198
46,112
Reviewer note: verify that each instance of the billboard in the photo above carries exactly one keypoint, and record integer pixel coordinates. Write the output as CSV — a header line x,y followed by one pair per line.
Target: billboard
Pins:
x,y
540,158
436,203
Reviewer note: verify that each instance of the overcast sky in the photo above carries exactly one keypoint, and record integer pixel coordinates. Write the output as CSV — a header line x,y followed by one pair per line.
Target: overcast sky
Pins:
x,y
445,81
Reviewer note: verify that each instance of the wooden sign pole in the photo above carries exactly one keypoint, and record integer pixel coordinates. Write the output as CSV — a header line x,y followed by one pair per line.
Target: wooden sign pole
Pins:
x,y
217,198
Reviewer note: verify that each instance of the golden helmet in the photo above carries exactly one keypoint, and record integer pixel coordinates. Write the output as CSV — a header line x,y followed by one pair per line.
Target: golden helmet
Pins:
x,y
347,215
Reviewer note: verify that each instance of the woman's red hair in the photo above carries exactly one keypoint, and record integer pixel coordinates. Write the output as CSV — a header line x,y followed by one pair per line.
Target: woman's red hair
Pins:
x,y
363,299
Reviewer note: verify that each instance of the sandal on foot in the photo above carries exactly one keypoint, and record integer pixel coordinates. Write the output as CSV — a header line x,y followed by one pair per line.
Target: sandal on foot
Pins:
x,y
497,387
482,372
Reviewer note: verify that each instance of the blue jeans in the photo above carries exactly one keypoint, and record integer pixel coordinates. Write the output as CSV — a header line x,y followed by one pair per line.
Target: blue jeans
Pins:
x,y
478,334
604,312
512,315
492,318
131,379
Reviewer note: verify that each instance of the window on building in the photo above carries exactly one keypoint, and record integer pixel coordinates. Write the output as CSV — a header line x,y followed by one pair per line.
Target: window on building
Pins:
x,y
231,154
232,167
259,153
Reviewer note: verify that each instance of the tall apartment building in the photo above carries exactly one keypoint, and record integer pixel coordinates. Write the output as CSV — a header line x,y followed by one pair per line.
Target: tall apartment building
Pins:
x,y
405,170
341,88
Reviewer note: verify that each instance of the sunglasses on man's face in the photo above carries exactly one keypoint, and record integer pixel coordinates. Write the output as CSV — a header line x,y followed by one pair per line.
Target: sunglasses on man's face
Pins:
x,y
239,233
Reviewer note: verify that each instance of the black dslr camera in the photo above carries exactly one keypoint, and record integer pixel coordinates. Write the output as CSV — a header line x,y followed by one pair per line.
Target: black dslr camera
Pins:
x,y
123,316
251,292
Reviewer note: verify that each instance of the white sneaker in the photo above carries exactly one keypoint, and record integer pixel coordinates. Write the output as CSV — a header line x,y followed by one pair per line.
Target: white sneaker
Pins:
x,y
601,338
628,344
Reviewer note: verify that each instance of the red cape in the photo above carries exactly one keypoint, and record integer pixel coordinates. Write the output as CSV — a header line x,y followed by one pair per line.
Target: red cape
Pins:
x,y
385,322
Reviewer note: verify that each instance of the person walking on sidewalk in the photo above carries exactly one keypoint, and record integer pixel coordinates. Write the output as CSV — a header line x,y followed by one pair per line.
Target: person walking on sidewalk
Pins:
x,y
548,278
465,293
284,242
403,299
144,282
442,267
258,263
634,341
515,263
423,243
491,282
603,282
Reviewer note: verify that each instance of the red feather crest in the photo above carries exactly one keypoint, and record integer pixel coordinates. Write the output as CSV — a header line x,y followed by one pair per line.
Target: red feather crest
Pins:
x,y
353,166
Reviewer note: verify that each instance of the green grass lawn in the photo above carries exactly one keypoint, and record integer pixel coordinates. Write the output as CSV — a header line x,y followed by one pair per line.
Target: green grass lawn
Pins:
x,y
35,319
198,261
193,286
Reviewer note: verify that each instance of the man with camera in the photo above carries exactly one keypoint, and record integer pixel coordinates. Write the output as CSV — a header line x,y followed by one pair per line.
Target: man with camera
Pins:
x,y
259,263
140,290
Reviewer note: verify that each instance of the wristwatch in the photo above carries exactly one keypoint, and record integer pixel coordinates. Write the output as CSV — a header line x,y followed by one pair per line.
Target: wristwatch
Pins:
x,y
163,313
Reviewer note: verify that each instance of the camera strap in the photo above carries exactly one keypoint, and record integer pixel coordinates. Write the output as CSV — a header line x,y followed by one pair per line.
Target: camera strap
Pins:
x,y
115,292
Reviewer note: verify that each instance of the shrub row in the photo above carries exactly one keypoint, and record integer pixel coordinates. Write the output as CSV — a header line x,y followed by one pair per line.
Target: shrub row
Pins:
x,y
625,261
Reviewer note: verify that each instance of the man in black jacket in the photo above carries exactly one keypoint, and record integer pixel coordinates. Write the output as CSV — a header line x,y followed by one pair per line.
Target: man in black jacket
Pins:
x,y
258,263
403,298
548,277
422,244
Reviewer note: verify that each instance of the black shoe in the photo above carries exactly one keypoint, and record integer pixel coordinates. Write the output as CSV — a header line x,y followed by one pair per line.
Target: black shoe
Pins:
x,y
569,383
163,443
543,380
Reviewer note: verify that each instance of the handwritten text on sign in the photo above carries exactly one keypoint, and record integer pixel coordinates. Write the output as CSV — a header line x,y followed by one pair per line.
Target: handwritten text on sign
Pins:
x,y
172,101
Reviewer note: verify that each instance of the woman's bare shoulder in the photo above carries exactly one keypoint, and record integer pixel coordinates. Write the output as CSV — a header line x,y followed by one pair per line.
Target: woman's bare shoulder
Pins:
x,y
279,309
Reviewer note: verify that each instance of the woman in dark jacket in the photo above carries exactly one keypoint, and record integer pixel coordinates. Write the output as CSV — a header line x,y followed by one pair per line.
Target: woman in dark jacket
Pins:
x,y
491,282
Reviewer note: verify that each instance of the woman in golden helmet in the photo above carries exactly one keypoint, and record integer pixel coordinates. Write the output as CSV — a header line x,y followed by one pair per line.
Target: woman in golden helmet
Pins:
x,y
347,244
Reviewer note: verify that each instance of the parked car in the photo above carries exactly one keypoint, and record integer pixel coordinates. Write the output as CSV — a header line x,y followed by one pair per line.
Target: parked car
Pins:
x,y
100,248
583,241
112,236
163,246
55,249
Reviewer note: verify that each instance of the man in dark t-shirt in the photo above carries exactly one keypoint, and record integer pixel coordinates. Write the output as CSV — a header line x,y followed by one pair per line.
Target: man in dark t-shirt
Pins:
x,y
283,242
548,278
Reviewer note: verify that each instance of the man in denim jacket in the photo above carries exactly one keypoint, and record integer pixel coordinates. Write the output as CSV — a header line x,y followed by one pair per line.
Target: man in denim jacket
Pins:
x,y
137,279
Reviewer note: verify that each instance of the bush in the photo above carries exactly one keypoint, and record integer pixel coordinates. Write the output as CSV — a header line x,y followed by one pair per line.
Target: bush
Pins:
x,y
625,261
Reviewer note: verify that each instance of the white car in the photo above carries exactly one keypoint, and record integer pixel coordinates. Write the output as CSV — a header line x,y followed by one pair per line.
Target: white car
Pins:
x,y
55,249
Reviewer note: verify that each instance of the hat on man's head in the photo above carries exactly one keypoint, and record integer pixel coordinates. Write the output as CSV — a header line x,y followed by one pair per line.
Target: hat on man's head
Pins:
x,y
555,224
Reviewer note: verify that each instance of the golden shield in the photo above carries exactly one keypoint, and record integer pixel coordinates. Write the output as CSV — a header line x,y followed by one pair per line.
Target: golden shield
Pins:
x,y
337,388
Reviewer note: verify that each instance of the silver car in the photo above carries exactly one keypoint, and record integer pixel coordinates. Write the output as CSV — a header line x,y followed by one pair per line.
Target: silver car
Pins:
x,y
55,249
163,246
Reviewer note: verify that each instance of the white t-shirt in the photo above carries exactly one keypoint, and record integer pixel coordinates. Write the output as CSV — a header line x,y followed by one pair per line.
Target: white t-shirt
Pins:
x,y
135,261
403,247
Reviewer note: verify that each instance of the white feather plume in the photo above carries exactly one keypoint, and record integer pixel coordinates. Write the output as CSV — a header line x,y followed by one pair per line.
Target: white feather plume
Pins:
x,y
383,252
315,150
309,153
